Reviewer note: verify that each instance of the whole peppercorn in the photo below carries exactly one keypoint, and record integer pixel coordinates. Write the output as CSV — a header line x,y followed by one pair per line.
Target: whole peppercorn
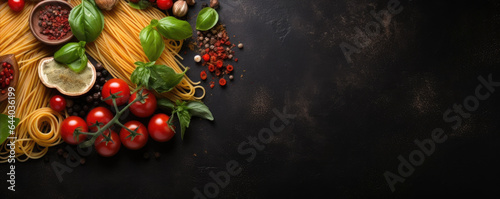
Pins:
x,y
240,45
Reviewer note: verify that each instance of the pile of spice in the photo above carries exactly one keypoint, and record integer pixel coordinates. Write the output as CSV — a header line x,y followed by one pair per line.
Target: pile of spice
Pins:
x,y
6,75
215,50
54,22
81,105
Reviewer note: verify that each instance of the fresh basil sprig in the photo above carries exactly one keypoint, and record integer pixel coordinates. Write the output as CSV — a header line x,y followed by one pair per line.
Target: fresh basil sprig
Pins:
x,y
7,124
142,4
86,21
207,18
73,55
184,112
151,41
160,78
173,28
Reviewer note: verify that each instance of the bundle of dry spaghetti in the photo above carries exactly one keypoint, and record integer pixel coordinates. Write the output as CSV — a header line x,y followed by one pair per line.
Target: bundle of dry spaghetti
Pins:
x,y
38,128
118,47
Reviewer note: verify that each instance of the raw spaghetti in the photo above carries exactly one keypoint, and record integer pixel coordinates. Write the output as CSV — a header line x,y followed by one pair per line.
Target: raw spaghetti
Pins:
x,y
38,128
118,47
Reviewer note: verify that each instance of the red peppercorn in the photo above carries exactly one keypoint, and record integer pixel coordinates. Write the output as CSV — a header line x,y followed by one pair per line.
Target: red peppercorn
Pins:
x,y
206,57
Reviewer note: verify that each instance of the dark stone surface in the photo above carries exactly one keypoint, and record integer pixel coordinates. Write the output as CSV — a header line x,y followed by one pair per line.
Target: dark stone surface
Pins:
x,y
352,120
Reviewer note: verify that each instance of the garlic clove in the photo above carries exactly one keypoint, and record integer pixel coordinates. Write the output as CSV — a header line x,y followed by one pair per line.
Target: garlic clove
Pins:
x,y
180,8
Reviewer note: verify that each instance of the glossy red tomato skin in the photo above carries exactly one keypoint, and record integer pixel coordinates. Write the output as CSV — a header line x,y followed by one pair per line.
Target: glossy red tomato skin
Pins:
x,y
158,128
68,127
110,148
100,114
57,103
114,86
16,5
164,4
139,140
145,109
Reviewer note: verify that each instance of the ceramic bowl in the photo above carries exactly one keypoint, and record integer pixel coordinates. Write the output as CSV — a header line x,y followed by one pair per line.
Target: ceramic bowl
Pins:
x,y
11,59
45,81
34,19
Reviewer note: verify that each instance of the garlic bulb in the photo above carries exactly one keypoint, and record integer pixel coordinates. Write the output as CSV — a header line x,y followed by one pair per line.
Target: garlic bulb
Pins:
x,y
180,8
106,4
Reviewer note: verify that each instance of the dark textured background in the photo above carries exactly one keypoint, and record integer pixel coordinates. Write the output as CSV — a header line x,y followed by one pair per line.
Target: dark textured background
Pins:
x,y
353,120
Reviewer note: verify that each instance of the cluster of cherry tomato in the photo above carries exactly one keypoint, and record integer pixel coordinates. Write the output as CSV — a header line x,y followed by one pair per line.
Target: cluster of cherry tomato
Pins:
x,y
162,4
157,128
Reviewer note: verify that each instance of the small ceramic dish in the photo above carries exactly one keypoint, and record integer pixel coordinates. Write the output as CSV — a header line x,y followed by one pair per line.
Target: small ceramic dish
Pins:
x,y
85,78
11,59
36,29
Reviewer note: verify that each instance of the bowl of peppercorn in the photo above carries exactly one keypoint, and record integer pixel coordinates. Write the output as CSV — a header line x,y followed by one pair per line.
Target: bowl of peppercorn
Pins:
x,y
49,22
8,75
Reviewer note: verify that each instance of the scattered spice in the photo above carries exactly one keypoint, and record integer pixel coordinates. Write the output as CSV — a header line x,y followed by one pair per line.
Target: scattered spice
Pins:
x,y
216,49
6,75
54,22
240,45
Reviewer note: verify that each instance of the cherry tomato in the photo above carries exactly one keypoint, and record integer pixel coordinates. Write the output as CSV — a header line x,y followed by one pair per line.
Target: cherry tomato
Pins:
x,y
16,5
109,148
57,103
99,114
145,109
114,86
68,127
139,140
164,4
159,129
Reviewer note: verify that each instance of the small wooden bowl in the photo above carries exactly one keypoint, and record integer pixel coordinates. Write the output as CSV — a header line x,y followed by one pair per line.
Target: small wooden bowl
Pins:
x,y
11,59
34,19
45,82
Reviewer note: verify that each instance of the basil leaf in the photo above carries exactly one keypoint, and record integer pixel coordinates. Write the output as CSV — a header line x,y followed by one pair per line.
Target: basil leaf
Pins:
x,y
70,52
164,78
173,28
165,103
141,76
151,41
79,64
142,4
200,110
184,120
7,123
207,18
86,21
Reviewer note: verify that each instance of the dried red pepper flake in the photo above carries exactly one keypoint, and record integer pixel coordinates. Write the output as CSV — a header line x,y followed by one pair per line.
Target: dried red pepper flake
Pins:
x,y
236,59
211,68
217,73
222,82
203,75
229,67
219,64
